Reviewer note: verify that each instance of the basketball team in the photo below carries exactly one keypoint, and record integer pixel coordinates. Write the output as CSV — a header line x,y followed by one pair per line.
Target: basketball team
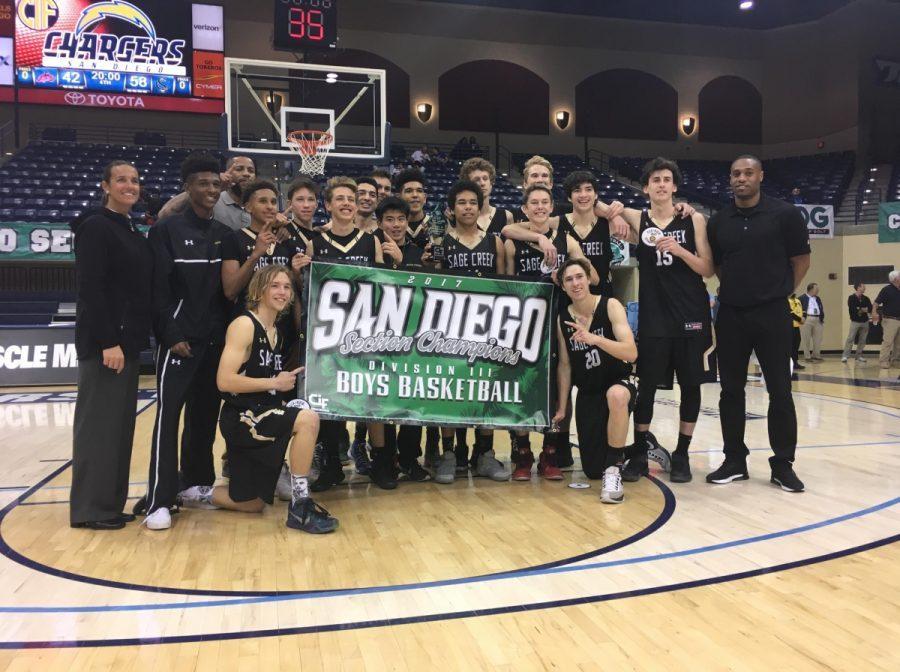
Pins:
x,y
221,281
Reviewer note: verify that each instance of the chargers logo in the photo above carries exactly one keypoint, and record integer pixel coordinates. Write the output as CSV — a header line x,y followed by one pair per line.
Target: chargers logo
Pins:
x,y
108,51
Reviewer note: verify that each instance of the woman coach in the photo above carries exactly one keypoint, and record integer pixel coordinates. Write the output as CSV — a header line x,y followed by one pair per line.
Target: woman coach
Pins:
x,y
113,269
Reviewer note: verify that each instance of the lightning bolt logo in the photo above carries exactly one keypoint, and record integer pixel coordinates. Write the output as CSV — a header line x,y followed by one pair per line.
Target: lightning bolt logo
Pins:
x,y
114,9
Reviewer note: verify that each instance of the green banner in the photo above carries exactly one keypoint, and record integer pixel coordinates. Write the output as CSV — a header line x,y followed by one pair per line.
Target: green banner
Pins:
x,y
889,222
420,347
26,241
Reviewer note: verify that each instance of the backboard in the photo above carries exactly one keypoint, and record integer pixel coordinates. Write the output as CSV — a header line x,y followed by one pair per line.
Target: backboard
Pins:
x,y
266,100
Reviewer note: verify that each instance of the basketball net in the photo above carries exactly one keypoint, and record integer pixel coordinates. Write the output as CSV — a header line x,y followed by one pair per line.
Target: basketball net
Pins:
x,y
313,148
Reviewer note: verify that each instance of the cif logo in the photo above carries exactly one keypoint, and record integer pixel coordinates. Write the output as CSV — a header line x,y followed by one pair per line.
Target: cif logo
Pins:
x,y
319,402
74,98
894,221
115,9
38,14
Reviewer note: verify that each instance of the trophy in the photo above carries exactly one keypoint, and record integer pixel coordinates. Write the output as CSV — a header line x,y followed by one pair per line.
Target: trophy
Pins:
x,y
437,226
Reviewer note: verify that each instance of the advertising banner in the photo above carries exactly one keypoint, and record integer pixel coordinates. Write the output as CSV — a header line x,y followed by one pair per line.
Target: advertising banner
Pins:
x,y
38,355
819,220
424,347
889,223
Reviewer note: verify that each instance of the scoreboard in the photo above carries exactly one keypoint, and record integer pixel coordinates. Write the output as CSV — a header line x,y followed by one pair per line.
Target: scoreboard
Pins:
x,y
140,54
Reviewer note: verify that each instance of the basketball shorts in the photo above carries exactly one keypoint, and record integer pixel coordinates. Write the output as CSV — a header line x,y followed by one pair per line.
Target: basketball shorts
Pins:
x,y
691,358
256,441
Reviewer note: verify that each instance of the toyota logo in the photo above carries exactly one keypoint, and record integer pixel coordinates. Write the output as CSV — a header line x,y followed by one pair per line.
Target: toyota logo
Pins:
x,y
75,98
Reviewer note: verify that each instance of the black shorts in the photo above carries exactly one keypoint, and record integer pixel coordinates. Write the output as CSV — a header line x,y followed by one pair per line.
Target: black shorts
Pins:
x,y
256,441
691,358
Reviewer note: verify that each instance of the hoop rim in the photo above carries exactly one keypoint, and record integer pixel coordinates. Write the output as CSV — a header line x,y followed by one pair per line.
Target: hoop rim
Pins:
x,y
310,142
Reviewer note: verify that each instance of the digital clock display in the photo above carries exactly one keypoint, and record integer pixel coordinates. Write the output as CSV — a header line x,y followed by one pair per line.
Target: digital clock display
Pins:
x,y
305,24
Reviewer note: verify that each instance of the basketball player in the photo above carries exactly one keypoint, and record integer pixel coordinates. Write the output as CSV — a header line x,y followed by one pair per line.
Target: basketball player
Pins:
x,y
590,231
526,260
303,199
538,170
344,243
190,315
239,171
491,219
410,186
383,180
470,250
366,200
596,348
256,424
673,313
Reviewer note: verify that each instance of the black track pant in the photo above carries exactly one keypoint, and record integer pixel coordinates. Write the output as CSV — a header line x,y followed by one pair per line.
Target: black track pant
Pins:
x,y
765,329
188,383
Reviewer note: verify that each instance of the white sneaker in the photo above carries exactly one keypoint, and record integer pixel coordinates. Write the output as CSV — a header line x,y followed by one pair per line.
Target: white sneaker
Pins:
x,y
843,360
160,519
612,491
861,360
283,488
197,497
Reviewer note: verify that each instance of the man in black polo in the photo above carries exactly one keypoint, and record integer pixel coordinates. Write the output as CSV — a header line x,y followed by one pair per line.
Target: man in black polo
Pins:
x,y
860,307
761,251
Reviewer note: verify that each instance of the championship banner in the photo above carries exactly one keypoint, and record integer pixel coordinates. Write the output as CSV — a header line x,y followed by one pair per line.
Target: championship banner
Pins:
x,y
889,223
420,347
22,241
819,220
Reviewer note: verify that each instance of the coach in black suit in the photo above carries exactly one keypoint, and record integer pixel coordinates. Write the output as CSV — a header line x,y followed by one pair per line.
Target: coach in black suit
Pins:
x,y
113,317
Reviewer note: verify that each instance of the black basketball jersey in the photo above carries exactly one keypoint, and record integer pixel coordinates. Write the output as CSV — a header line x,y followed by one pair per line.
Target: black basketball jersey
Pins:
x,y
498,221
357,247
419,231
529,260
595,246
302,238
593,369
264,362
476,260
672,298
240,246
412,253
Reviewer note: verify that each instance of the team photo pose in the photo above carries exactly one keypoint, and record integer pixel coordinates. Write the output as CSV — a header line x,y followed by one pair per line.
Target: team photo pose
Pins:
x,y
255,422
482,172
675,331
596,348
366,200
410,186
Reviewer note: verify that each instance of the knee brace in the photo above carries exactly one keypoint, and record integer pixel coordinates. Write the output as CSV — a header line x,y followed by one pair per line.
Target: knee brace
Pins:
x,y
689,409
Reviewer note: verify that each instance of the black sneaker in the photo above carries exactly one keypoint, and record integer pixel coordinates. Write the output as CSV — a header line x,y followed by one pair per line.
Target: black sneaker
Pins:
x,y
564,458
732,469
308,516
783,475
658,454
635,467
382,472
414,472
681,468
140,506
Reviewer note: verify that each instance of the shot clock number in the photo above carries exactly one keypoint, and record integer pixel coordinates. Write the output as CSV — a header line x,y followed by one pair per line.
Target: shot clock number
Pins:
x,y
305,24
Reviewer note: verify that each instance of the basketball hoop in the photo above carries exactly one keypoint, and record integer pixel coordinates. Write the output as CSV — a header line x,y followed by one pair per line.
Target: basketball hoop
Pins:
x,y
313,148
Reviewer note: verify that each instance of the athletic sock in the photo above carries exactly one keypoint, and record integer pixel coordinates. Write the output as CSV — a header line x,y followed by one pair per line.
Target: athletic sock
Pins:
x,y
684,442
447,444
614,456
360,433
552,441
483,444
640,441
523,444
299,488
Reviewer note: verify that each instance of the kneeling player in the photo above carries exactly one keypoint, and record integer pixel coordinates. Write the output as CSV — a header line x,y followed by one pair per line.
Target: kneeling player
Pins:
x,y
596,348
255,424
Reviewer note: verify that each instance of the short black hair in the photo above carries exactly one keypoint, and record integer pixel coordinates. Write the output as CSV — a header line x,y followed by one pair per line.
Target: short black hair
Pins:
x,y
408,175
536,187
751,157
391,203
576,179
461,186
657,164
303,182
253,187
198,162
858,285
367,180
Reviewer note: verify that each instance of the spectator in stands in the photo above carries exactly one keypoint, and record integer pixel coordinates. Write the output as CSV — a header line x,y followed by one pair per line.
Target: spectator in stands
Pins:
x,y
887,307
473,144
420,156
239,171
796,198
383,179
153,203
860,307
114,272
813,324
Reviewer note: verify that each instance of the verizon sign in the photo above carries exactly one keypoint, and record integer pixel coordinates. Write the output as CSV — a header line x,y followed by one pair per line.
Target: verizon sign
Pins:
x,y
120,101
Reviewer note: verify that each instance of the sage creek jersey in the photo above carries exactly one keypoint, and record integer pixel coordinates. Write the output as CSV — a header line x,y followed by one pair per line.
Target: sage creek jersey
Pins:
x,y
265,361
498,221
529,260
356,247
595,245
672,298
478,260
593,369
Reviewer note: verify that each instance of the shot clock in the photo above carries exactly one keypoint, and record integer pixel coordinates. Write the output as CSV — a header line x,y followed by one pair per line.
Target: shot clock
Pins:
x,y
305,24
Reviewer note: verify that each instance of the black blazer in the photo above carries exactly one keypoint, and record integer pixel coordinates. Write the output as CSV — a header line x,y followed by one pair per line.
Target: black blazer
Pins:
x,y
804,301
114,281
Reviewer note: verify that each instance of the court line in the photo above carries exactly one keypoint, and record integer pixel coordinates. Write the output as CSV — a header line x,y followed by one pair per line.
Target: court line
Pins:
x,y
501,576
472,613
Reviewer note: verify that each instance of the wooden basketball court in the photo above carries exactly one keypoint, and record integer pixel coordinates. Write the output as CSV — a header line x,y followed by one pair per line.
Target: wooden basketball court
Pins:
x,y
478,575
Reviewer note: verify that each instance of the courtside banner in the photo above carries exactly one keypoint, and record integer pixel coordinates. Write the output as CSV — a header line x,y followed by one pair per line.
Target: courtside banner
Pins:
x,y
889,223
819,220
420,347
